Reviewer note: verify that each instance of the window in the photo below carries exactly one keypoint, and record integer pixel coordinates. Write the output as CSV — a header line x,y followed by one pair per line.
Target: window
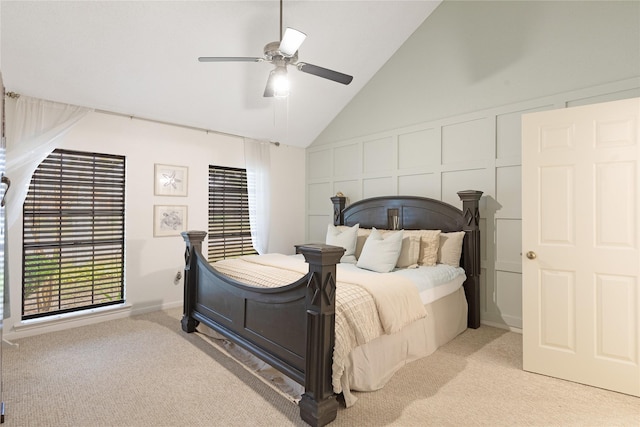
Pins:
x,y
73,235
229,228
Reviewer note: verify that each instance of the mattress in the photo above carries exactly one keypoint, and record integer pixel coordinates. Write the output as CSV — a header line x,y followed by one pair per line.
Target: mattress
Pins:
x,y
432,282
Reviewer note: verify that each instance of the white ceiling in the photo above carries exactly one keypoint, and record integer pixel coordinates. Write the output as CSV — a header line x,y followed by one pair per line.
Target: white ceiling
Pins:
x,y
139,58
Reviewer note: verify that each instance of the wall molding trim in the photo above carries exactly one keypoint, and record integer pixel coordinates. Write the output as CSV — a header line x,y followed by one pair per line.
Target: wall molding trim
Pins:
x,y
478,150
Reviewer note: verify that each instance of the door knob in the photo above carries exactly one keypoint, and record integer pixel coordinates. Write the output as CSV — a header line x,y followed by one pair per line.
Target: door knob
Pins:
x,y
531,255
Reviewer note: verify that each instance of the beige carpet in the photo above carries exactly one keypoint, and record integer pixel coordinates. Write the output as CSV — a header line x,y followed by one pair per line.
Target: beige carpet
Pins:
x,y
144,371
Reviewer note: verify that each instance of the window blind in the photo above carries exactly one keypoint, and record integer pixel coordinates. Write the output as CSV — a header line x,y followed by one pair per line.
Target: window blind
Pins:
x,y
229,228
73,234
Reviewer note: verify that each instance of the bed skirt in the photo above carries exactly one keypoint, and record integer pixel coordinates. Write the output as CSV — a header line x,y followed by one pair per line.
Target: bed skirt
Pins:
x,y
370,366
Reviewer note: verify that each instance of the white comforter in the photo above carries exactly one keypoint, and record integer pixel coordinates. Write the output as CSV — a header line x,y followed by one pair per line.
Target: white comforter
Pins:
x,y
359,293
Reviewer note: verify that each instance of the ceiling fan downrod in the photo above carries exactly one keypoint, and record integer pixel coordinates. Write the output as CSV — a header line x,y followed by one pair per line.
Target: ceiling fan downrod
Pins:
x,y
280,20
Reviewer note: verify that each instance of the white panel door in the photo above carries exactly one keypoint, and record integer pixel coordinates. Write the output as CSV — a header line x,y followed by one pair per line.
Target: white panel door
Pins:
x,y
581,231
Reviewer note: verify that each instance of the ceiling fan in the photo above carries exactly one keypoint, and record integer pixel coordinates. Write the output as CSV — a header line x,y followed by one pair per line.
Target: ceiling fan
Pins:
x,y
281,54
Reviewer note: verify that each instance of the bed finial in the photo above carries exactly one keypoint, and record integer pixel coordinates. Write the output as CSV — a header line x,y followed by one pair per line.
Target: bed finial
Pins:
x,y
470,207
339,203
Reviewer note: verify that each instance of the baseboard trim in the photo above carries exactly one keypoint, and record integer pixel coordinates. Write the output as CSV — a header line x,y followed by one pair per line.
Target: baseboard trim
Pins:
x,y
501,326
62,322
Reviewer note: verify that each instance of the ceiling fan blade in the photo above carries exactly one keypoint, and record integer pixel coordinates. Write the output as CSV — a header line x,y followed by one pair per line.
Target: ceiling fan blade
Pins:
x,y
229,59
291,41
324,73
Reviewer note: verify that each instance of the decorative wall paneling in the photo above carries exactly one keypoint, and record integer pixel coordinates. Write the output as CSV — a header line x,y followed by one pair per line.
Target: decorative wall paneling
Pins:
x,y
479,151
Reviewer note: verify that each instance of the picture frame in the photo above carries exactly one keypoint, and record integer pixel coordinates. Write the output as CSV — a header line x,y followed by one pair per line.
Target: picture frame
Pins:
x,y
169,220
170,180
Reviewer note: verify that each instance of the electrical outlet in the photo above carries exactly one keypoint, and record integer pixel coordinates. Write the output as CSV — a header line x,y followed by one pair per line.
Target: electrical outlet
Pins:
x,y
176,279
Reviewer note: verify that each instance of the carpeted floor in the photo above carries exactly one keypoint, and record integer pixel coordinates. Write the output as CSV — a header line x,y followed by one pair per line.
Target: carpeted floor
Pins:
x,y
144,371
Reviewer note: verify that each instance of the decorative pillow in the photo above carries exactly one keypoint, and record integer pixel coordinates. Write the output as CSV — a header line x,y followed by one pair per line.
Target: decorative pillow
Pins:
x,y
429,244
363,233
409,252
380,253
450,248
345,237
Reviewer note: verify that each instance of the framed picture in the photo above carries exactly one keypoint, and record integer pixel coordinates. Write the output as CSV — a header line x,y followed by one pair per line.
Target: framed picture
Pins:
x,y
169,220
170,180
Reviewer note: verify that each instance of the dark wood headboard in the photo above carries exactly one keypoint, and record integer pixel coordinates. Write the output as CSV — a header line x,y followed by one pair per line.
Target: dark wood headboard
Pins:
x,y
421,213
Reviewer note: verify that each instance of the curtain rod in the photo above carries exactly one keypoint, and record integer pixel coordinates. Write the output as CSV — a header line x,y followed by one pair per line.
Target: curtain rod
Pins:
x,y
130,116
276,143
15,95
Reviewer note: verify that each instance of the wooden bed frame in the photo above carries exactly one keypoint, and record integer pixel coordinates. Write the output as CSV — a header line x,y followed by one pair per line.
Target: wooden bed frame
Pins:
x,y
292,327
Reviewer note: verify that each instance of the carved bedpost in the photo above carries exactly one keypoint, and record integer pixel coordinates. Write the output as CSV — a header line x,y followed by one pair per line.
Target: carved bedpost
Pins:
x,y
193,239
318,405
471,212
339,203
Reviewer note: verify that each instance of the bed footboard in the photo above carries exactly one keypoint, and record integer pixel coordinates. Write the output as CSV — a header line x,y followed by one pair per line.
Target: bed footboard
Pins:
x,y
292,327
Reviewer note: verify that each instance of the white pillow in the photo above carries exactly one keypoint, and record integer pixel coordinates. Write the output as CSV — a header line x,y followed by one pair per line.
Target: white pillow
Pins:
x,y
345,237
380,253
450,248
363,233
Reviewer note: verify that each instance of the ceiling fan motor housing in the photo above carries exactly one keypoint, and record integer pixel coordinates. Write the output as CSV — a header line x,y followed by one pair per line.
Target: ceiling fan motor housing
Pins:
x,y
272,53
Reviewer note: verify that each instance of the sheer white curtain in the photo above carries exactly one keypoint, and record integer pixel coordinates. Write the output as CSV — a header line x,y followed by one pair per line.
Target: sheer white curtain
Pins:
x,y
35,133
258,164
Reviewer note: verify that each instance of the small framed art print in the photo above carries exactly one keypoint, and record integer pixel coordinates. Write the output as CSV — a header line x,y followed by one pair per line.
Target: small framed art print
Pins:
x,y
170,180
169,220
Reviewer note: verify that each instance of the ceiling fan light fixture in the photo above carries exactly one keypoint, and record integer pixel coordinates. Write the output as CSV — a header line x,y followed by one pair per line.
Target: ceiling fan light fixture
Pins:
x,y
278,83
291,41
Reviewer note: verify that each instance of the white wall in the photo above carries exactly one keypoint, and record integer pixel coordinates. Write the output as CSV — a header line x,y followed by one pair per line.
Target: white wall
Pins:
x,y
151,263
443,115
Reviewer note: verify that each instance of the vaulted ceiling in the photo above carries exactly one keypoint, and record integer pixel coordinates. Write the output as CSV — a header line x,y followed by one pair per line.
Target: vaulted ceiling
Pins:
x,y
139,58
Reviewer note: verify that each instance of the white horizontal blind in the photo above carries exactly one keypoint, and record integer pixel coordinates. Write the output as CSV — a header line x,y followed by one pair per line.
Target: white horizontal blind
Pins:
x,y
73,247
229,227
